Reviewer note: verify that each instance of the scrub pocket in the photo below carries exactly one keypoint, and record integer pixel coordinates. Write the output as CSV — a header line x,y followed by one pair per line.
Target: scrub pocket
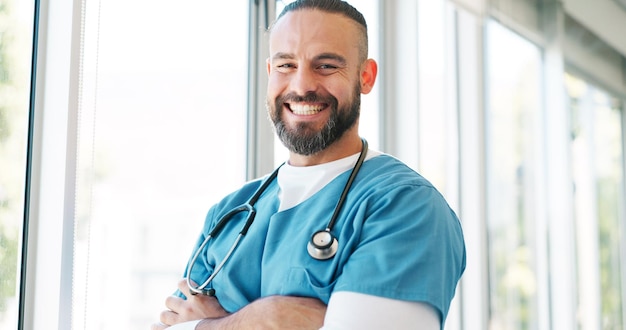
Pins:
x,y
300,283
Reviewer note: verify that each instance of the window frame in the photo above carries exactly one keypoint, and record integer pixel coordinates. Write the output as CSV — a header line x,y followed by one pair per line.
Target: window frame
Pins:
x,y
48,286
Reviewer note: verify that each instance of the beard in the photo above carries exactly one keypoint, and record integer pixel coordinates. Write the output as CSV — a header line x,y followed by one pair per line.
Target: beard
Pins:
x,y
303,139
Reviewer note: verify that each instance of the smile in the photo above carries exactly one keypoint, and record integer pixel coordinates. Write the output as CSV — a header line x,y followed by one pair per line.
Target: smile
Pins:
x,y
305,109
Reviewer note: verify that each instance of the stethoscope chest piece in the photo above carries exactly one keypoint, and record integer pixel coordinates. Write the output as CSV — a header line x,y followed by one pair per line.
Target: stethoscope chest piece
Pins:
x,y
323,245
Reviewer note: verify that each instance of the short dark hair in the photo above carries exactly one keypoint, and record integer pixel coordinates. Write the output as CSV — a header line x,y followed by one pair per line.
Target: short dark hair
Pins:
x,y
337,7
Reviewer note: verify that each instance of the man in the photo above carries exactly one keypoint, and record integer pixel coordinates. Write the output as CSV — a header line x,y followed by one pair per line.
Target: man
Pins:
x,y
399,249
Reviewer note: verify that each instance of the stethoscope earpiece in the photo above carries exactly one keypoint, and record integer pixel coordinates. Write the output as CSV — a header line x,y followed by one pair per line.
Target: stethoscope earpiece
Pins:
x,y
323,245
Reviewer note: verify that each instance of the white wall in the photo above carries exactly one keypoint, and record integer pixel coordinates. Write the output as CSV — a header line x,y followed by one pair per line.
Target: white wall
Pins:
x,y
605,18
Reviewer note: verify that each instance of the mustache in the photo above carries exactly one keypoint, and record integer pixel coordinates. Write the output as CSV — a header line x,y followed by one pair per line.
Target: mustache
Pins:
x,y
310,97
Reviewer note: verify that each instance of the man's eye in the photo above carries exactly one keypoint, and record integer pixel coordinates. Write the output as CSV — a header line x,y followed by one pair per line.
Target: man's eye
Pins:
x,y
327,67
286,66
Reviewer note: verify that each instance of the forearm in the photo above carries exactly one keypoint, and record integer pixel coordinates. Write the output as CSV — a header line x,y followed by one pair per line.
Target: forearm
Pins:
x,y
274,312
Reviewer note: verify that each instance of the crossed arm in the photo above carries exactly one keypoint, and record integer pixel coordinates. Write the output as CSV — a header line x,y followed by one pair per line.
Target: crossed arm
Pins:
x,y
273,312
347,310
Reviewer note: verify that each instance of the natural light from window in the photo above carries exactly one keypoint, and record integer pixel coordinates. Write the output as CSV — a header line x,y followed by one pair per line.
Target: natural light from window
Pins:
x,y
162,136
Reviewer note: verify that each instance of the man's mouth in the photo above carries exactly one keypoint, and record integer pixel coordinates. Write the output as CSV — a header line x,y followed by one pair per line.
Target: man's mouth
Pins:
x,y
305,109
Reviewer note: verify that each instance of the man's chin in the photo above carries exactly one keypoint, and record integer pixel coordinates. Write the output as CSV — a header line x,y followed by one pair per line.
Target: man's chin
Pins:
x,y
302,145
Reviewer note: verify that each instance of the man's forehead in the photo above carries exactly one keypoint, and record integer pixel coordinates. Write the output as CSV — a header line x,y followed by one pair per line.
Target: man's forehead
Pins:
x,y
313,28
311,15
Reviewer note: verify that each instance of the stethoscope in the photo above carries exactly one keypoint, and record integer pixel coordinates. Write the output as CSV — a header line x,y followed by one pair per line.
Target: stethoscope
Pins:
x,y
323,244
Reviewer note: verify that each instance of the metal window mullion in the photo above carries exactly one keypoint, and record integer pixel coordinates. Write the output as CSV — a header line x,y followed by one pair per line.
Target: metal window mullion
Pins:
x,y
47,296
472,208
561,239
622,213
260,140
399,87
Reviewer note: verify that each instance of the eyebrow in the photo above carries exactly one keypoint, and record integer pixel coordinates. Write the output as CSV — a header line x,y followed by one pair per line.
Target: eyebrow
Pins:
x,y
331,56
323,56
282,56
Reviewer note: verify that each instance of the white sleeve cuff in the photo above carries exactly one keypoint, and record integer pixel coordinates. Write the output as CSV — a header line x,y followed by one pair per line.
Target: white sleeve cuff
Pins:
x,y
190,325
351,310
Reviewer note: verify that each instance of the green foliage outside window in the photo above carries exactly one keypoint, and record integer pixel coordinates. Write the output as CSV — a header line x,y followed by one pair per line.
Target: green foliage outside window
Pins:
x,y
8,271
15,43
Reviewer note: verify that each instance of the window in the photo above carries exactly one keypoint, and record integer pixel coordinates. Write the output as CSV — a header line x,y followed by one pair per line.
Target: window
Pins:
x,y
437,118
512,133
597,167
16,35
162,131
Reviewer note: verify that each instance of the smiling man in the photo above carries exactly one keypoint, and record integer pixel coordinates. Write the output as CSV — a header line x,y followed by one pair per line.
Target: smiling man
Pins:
x,y
342,237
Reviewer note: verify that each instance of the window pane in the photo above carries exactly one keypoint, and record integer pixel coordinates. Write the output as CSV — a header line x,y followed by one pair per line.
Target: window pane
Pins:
x,y
162,137
598,162
513,108
16,37
437,107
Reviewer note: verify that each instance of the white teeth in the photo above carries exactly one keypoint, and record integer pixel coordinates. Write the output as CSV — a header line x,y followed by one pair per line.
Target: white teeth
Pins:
x,y
305,109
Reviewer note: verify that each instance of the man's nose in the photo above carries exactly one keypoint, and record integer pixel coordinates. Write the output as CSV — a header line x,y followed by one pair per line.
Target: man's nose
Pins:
x,y
303,82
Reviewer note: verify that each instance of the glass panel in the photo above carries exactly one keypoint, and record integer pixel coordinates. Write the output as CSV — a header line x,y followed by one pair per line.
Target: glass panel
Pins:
x,y
370,117
16,35
162,131
598,163
513,111
437,106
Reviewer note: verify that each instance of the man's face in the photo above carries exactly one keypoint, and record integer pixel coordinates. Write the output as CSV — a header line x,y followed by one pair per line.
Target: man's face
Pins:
x,y
314,87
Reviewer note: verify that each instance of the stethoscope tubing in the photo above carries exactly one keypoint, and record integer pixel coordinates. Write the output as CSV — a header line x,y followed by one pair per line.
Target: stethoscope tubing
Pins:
x,y
200,288
348,185
249,207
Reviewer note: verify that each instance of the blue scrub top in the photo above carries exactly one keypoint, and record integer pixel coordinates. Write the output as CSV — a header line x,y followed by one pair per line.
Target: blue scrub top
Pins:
x,y
398,239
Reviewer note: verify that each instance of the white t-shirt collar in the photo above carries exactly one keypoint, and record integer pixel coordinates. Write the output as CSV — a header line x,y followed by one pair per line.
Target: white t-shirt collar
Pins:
x,y
298,183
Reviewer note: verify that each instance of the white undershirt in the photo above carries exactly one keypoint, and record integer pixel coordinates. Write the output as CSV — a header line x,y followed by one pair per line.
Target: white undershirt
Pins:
x,y
298,183
190,325
351,310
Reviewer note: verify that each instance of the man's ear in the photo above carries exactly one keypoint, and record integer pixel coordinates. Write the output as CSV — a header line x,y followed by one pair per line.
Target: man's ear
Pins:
x,y
267,62
369,70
